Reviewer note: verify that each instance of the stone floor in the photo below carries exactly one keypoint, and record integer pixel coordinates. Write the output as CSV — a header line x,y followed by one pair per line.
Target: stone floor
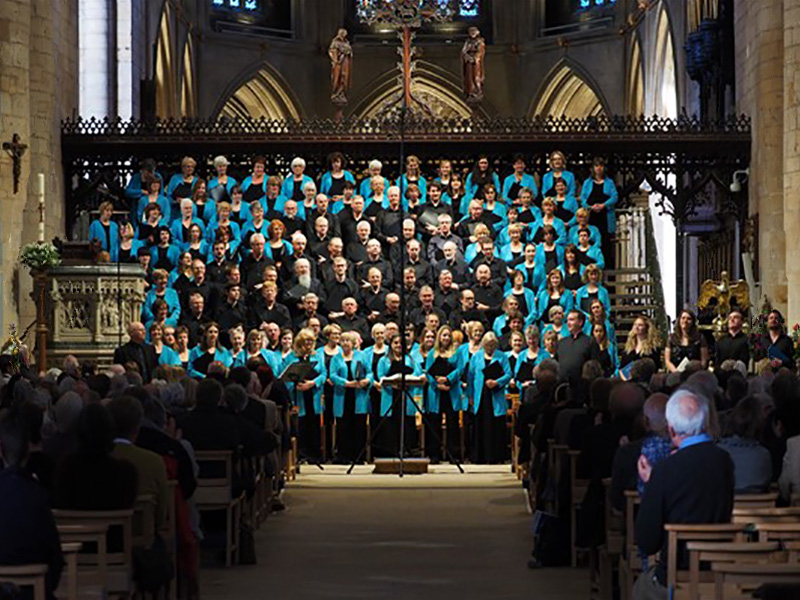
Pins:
x,y
436,536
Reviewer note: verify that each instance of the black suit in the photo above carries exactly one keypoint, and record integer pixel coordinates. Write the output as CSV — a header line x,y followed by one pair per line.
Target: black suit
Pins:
x,y
571,353
144,355
694,485
28,533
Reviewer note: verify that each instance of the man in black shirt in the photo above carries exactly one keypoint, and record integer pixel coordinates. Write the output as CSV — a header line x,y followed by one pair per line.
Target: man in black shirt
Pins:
x,y
466,311
202,286
215,270
321,209
291,219
446,294
137,351
777,346
267,309
388,225
454,263
422,268
339,288
253,264
195,318
232,312
350,217
438,241
693,485
375,260
466,226
426,307
733,345
349,320
497,266
356,250
488,295
574,350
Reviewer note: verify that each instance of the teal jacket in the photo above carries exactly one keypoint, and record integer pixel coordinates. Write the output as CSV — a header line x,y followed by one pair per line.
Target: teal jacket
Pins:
x,y
338,375
433,397
384,365
475,384
221,355
319,383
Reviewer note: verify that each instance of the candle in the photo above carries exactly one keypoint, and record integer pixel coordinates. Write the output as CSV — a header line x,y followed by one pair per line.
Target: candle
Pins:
x,y
41,206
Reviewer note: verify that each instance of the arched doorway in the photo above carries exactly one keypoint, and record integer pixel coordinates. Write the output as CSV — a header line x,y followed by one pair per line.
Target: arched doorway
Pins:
x,y
568,93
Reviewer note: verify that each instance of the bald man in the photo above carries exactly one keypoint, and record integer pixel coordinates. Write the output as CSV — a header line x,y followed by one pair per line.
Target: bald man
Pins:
x,y
137,351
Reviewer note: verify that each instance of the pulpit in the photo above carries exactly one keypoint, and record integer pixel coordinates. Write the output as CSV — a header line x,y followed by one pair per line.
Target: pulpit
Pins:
x,y
88,308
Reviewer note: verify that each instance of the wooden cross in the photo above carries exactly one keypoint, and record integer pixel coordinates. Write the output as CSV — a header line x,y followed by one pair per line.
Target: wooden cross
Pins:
x,y
15,150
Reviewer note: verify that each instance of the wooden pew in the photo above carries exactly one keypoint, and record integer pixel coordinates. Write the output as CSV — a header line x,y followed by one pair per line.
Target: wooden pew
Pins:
x,y
722,552
782,532
678,580
630,563
215,493
93,536
609,553
745,577
750,501
68,587
752,516
119,564
26,576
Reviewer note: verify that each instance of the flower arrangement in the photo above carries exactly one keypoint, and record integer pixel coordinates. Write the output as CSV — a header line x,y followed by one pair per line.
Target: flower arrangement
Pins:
x,y
795,335
39,256
758,329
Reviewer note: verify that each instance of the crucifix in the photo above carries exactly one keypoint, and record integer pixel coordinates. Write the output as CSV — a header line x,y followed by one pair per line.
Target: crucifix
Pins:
x,y
15,150
406,16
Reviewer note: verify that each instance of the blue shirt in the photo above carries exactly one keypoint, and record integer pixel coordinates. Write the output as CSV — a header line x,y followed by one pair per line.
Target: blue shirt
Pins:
x,y
700,438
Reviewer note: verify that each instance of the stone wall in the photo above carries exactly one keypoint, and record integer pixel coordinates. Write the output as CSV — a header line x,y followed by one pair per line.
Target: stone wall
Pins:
x,y
762,35
38,87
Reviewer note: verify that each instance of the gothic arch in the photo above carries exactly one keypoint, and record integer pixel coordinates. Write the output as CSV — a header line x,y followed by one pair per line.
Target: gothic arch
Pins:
x,y
660,66
570,92
166,65
433,85
634,86
188,83
262,93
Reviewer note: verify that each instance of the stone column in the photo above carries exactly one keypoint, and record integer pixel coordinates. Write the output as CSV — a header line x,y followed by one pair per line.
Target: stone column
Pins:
x,y
791,153
15,110
760,80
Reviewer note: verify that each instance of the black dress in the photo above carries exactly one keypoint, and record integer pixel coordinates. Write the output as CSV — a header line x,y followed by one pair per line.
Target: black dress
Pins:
x,y
337,186
691,352
550,260
254,192
310,430
489,445
573,281
586,303
351,428
523,304
297,190
328,403
551,302
449,418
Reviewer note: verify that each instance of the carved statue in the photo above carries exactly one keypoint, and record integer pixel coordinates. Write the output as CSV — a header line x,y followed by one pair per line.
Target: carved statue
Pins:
x,y
473,56
341,54
723,292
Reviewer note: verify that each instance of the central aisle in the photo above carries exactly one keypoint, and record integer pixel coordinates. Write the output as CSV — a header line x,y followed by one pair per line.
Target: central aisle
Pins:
x,y
424,537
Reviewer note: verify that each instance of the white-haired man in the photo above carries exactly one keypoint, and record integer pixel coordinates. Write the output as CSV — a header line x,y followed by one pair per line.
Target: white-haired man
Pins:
x,y
693,485
253,264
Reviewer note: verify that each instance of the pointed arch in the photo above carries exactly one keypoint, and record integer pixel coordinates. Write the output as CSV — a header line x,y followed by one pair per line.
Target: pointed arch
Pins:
x,y
661,91
262,95
436,87
166,105
568,92
188,84
634,87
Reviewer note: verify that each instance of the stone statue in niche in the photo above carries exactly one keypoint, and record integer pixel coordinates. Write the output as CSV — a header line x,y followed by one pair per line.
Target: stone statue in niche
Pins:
x,y
473,56
341,55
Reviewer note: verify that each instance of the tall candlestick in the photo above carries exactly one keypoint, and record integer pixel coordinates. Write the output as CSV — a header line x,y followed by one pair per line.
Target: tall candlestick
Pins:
x,y
41,206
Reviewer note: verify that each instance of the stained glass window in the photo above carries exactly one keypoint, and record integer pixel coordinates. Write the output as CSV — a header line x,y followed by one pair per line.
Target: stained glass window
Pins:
x,y
466,9
587,4
257,17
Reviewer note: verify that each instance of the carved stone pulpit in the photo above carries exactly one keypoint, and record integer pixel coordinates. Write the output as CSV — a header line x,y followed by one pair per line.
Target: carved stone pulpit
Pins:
x,y
89,307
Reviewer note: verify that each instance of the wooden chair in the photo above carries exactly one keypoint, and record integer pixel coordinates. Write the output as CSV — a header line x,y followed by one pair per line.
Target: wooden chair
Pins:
x,y
752,516
677,533
736,580
68,587
608,554
750,501
27,576
577,492
119,562
216,493
90,537
630,563
723,552
782,532
792,551
169,534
